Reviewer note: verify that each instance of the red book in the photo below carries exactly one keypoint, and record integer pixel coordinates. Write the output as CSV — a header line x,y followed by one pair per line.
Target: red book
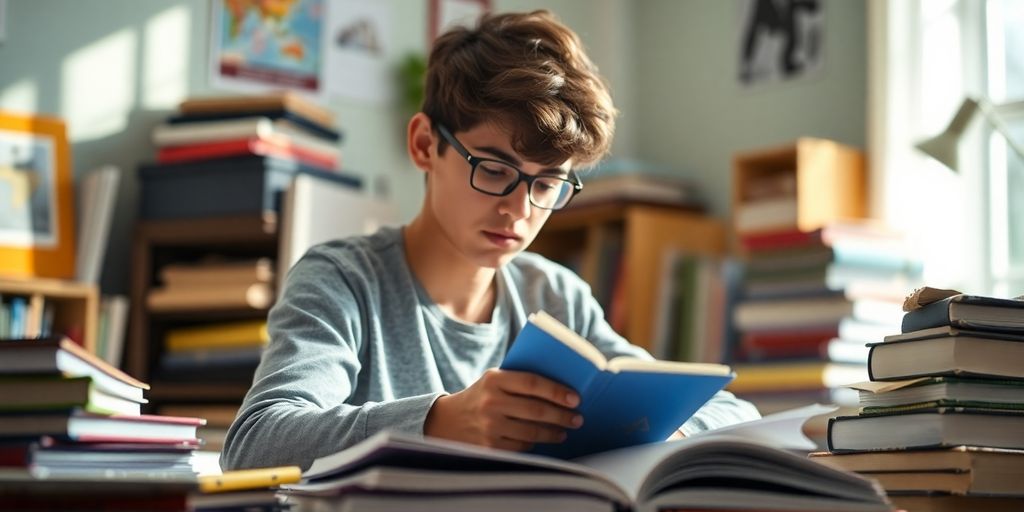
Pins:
x,y
785,344
249,146
780,239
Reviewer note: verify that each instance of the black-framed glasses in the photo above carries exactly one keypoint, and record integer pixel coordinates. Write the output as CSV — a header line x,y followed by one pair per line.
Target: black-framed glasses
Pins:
x,y
498,178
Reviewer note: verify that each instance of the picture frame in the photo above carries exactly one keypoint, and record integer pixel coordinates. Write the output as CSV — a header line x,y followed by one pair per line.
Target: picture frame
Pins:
x,y
37,211
443,14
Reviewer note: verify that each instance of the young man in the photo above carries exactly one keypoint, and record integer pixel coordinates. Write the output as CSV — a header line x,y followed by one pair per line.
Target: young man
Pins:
x,y
403,329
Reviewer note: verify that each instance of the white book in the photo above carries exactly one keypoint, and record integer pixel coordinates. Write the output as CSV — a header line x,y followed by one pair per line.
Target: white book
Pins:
x,y
114,309
180,134
97,196
766,214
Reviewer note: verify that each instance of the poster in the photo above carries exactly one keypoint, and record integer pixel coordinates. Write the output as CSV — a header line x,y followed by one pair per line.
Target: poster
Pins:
x,y
780,40
260,46
358,36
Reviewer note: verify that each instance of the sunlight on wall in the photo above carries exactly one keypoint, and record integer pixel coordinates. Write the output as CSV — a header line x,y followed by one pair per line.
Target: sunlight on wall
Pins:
x,y
21,96
165,59
99,86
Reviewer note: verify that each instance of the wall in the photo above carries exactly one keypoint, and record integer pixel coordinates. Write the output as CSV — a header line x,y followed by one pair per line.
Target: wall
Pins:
x,y
114,68
693,113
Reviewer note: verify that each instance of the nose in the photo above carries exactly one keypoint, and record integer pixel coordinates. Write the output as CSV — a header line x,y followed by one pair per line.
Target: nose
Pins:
x,y
517,203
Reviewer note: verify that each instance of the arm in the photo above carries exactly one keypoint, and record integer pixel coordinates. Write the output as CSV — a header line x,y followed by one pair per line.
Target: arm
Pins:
x,y
297,407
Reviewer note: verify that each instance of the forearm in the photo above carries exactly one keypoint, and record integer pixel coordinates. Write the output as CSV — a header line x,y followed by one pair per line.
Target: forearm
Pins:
x,y
283,432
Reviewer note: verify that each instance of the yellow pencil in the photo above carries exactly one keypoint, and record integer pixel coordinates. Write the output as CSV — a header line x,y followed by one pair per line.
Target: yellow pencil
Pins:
x,y
250,479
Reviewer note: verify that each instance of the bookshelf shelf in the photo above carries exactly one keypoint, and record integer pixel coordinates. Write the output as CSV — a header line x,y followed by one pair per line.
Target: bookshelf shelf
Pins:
x,y
75,305
642,234
161,242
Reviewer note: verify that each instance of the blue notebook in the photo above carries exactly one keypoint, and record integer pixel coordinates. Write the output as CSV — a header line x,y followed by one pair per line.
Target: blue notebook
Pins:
x,y
624,401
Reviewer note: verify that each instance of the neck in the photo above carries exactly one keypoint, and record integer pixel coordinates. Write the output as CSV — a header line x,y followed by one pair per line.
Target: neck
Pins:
x,y
460,288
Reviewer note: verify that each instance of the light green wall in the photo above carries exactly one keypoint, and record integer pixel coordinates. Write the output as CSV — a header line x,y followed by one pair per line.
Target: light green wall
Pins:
x,y
692,112
115,68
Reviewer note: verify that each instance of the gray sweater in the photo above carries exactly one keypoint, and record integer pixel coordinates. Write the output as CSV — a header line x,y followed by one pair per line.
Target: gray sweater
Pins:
x,y
357,346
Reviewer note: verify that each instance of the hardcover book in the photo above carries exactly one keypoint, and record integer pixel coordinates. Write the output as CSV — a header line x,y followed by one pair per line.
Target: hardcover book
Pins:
x,y
968,312
624,401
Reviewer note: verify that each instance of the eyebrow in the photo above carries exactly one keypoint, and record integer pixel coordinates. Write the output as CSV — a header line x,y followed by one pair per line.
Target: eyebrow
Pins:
x,y
501,155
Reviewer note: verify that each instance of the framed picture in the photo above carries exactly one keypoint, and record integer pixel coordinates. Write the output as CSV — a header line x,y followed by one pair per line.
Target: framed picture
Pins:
x,y
267,46
37,237
445,14
3,20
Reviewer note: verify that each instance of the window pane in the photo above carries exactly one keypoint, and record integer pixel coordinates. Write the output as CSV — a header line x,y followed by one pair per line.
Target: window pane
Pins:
x,y
1015,191
1013,34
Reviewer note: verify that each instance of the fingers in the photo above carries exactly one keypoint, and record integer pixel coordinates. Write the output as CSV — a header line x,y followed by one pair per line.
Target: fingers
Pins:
x,y
538,411
529,384
529,433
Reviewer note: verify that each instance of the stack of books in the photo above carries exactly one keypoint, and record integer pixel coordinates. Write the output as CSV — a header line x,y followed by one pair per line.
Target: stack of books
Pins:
x,y
214,284
72,438
810,302
616,181
942,420
226,156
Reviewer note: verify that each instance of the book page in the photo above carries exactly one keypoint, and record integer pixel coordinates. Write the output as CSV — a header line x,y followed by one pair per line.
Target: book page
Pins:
x,y
620,364
578,343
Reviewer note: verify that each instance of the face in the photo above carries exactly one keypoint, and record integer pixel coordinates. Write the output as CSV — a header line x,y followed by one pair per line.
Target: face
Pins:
x,y
487,230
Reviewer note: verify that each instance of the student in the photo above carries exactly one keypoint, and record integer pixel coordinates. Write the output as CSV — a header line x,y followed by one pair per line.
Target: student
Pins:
x,y
403,329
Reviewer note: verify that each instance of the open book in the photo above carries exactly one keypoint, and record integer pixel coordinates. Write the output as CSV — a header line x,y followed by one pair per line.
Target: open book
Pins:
x,y
624,401
734,468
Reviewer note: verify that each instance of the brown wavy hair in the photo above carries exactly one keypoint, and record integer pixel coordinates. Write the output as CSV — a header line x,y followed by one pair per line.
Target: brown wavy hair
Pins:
x,y
529,74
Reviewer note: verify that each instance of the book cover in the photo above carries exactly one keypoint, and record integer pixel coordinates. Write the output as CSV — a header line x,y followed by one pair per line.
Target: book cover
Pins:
x,y
328,132
961,354
286,100
55,392
240,296
623,401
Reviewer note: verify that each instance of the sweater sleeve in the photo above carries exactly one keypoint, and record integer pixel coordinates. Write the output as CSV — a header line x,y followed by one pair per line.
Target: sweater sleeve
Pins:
x,y
296,409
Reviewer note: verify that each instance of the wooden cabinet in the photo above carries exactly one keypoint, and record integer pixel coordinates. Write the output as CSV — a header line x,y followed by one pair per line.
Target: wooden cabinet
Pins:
x,y
824,180
158,243
74,306
643,234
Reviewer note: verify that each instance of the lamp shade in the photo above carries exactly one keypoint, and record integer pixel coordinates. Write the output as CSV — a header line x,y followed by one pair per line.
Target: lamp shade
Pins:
x,y
943,147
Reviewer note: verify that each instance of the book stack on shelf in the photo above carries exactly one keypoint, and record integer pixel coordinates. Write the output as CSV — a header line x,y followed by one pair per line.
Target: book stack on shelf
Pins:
x,y
942,417
811,302
73,438
225,156
215,351
625,180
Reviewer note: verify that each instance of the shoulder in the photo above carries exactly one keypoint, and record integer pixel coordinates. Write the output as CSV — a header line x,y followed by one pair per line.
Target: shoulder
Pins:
x,y
546,284
359,255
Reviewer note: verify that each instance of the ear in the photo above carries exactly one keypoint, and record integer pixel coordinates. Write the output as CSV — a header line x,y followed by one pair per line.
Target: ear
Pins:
x,y
421,142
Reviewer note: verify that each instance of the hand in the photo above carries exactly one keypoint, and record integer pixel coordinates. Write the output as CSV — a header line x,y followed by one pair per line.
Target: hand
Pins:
x,y
507,410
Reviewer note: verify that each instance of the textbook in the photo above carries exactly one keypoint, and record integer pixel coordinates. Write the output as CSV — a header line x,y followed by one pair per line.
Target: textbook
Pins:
x,y
951,352
968,312
624,401
744,466
62,356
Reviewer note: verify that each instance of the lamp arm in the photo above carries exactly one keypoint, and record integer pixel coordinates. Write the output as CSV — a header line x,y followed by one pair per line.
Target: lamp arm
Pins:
x,y
997,122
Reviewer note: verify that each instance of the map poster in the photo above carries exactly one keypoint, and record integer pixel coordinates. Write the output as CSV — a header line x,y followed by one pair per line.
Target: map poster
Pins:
x,y
258,45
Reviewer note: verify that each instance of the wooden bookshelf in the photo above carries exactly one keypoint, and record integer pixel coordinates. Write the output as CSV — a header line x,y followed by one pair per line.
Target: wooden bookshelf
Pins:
x,y
647,232
830,179
75,305
157,243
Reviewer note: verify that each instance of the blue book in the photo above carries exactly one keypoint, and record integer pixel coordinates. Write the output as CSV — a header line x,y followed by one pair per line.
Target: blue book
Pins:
x,y
624,401
968,312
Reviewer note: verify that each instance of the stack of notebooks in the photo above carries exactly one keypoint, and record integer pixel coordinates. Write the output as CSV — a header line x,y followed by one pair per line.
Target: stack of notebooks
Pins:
x,y
72,438
942,420
810,302
225,156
